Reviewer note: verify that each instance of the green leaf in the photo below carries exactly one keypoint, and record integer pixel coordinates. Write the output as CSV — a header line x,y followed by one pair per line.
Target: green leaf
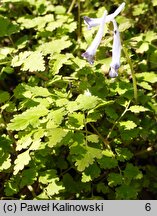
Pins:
x,y
75,120
31,61
152,60
137,109
107,162
5,160
125,23
56,135
57,62
111,112
85,156
12,186
130,134
38,22
25,91
140,9
54,25
29,176
87,102
147,77
72,106
114,179
7,27
47,176
21,121
127,125
79,62
35,145
55,46
93,116
59,9
55,118
123,154
101,187
126,192
93,138
21,160
143,47
24,141
34,62
54,187
132,172
75,185
145,85
108,153
150,36
4,96
90,173
154,2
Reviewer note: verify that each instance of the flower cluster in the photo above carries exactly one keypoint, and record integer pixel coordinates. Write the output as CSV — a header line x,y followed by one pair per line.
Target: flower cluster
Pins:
x,y
116,49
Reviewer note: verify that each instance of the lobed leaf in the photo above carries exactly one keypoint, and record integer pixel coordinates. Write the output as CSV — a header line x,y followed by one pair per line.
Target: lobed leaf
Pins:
x,y
56,135
137,109
126,192
114,179
21,160
123,154
127,125
90,173
29,117
55,46
85,156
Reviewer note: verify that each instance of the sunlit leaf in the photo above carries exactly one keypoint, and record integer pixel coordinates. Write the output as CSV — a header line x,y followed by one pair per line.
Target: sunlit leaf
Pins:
x,y
114,179
21,160
137,109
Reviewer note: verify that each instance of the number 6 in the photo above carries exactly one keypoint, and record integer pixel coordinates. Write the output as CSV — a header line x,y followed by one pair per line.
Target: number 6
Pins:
x,y
148,207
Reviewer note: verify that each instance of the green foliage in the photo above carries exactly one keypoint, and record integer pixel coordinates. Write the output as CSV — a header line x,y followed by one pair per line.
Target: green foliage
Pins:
x,y
67,130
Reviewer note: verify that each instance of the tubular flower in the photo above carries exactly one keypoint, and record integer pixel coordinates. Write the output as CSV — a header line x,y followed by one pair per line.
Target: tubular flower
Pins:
x,y
91,22
116,51
91,50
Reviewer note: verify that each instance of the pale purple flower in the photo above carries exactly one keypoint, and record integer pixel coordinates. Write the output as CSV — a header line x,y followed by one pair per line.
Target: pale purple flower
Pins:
x,y
116,52
91,22
90,52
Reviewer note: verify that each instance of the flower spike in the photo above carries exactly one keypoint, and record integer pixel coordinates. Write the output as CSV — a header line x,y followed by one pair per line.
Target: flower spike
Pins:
x,y
92,22
116,52
90,52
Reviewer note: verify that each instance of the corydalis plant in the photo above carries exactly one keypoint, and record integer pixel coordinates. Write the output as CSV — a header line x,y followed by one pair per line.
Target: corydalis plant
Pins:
x,y
116,49
92,22
90,52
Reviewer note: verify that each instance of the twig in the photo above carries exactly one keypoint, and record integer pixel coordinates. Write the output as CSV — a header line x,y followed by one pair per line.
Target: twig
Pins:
x,y
132,72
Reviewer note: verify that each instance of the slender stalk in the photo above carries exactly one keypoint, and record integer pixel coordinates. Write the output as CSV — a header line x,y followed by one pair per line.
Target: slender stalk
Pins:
x,y
116,122
132,72
39,75
106,143
2,63
71,6
86,131
78,21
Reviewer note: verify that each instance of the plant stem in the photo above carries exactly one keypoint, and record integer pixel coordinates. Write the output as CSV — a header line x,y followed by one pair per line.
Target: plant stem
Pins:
x,y
78,21
71,6
116,122
86,131
132,72
101,137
